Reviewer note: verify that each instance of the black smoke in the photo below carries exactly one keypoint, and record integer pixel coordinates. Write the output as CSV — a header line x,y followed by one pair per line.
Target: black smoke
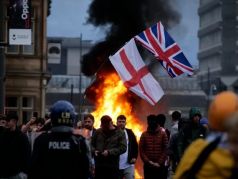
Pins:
x,y
123,20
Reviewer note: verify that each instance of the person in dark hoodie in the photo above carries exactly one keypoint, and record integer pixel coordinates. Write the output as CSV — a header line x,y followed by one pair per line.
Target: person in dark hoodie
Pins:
x,y
216,156
153,149
191,130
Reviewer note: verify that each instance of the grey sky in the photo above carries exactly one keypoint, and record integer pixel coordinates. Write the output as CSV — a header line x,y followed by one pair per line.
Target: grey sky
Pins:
x,y
68,19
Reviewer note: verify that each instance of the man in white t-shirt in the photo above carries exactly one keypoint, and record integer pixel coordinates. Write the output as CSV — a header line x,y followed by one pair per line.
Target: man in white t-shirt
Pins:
x,y
176,116
127,159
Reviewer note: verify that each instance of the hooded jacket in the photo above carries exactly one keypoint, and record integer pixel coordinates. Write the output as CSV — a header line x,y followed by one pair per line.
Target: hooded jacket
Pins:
x,y
218,164
190,131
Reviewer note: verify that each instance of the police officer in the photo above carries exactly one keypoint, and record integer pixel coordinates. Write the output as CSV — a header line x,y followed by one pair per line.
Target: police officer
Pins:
x,y
60,154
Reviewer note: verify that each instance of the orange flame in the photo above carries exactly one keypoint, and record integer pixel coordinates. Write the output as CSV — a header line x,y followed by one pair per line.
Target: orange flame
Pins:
x,y
113,101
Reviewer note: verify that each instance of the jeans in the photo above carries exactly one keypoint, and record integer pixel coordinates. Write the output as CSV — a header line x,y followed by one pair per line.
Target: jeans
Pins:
x,y
127,173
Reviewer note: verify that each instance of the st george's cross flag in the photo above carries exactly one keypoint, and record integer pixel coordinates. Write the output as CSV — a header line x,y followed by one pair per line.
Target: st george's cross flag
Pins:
x,y
158,41
135,74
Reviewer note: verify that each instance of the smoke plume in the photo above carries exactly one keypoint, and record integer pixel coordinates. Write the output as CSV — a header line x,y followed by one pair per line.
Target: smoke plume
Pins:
x,y
124,19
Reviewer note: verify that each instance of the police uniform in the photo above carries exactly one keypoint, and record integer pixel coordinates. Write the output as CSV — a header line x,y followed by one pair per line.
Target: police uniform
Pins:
x,y
60,154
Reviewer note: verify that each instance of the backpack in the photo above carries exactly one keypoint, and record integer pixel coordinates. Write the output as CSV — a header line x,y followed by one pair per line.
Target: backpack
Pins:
x,y
191,173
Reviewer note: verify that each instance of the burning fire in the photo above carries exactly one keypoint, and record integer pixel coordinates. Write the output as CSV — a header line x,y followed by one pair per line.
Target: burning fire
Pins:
x,y
112,100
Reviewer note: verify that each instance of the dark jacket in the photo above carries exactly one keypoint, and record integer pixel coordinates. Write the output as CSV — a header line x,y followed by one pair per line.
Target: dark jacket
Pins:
x,y
132,145
15,153
153,146
94,131
59,154
187,134
173,150
114,142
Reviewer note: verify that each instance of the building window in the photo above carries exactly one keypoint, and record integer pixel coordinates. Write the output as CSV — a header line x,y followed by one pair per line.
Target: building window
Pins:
x,y
62,83
210,40
25,49
11,102
22,105
27,102
211,17
13,49
208,62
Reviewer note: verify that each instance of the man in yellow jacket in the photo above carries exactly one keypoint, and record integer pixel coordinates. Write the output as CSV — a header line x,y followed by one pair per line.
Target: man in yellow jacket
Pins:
x,y
211,158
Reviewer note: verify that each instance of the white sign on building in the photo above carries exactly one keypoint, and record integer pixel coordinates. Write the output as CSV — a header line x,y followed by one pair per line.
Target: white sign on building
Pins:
x,y
20,36
54,53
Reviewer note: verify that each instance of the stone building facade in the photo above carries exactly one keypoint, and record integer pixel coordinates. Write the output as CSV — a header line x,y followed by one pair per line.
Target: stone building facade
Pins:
x,y
26,66
218,45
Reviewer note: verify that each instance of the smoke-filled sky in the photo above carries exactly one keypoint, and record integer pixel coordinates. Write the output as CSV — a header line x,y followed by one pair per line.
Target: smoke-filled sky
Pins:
x,y
68,19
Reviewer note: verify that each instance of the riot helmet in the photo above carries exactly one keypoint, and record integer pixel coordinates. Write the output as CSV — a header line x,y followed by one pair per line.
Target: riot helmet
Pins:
x,y
62,113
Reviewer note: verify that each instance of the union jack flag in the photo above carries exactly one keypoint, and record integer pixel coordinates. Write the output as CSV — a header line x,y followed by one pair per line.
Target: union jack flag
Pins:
x,y
158,41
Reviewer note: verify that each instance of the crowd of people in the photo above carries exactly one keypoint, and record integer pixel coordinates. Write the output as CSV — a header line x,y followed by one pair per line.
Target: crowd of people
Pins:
x,y
56,147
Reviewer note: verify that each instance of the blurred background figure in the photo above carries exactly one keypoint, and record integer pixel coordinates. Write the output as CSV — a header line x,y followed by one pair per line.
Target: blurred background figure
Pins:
x,y
79,125
162,120
176,116
204,123
33,128
88,123
88,132
85,127
47,124
191,130
173,148
213,157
